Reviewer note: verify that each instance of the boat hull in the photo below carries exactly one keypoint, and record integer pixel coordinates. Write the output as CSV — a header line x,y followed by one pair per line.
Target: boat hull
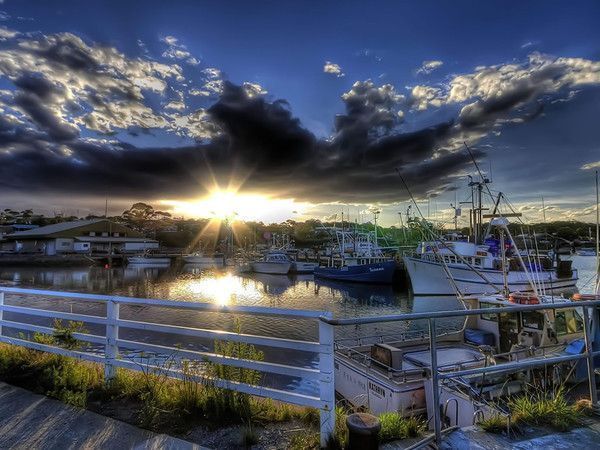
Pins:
x,y
364,389
275,268
149,261
378,273
303,267
430,278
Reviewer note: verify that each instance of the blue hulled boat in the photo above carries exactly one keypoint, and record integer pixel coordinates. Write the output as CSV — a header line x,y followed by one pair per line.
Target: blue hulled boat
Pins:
x,y
377,272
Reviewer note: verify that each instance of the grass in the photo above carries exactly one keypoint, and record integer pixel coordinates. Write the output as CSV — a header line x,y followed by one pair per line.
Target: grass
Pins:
x,y
160,403
545,409
495,424
540,408
394,426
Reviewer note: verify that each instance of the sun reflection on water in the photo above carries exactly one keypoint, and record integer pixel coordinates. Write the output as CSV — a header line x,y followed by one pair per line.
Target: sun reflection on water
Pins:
x,y
221,290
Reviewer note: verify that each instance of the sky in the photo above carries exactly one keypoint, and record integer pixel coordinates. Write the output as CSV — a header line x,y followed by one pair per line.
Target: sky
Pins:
x,y
278,110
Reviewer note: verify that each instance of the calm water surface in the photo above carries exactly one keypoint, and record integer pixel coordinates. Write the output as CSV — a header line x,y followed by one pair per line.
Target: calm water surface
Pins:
x,y
199,284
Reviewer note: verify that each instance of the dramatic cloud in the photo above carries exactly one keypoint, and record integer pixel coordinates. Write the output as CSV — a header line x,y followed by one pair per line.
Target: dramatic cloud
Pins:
x,y
175,50
429,66
65,117
333,69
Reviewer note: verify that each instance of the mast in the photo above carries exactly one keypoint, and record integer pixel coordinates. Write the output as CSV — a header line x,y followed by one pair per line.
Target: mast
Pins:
x,y
597,236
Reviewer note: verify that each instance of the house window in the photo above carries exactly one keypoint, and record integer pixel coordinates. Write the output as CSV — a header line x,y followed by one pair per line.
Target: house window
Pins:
x,y
64,244
105,234
116,234
92,233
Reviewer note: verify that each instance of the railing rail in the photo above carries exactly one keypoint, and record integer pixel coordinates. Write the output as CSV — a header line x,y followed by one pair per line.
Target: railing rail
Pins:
x,y
112,343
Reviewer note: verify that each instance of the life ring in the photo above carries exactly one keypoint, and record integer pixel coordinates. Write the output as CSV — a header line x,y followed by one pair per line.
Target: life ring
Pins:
x,y
584,297
523,298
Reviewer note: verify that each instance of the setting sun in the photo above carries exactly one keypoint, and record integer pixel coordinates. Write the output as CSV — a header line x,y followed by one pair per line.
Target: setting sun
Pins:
x,y
231,205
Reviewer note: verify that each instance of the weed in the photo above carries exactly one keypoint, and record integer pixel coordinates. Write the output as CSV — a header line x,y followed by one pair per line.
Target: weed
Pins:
x,y
495,424
395,426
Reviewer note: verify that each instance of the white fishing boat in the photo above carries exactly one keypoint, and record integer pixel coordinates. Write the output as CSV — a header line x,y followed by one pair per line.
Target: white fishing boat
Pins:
x,y
391,373
274,262
477,269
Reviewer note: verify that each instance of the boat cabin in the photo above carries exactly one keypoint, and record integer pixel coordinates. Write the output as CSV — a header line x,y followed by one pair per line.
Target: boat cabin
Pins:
x,y
512,331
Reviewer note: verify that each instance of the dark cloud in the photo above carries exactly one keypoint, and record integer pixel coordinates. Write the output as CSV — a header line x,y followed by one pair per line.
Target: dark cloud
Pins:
x,y
262,143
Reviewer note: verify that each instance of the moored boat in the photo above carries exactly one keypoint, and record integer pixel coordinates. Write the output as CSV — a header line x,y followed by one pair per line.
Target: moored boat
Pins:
x,y
275,262
199,258
376,272
148,259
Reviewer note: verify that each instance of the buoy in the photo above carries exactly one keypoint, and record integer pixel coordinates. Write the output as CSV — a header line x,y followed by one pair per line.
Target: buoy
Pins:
x,y
584,297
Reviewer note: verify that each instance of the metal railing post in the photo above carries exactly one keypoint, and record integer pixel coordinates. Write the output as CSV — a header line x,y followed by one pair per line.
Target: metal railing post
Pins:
x,y
112,334
587,333
435,383
326,387
1,311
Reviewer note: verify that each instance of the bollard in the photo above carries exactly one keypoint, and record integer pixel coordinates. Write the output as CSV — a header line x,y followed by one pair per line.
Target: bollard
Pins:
x,y
363,431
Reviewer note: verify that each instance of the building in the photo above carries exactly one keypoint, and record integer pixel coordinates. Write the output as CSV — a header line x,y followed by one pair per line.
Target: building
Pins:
x,y
79,236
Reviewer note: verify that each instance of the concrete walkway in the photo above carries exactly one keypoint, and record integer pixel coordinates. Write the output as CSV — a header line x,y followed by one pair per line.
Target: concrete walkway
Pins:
x,y
31,421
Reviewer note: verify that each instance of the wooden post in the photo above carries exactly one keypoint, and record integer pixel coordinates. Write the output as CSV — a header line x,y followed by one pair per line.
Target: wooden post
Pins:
x,y
112,334
326,387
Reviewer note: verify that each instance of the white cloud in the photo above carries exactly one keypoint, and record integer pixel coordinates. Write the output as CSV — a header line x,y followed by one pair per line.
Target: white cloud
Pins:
x,y
540,74
6,33
333,69
429,66
175,105
253,89
199,92
590,166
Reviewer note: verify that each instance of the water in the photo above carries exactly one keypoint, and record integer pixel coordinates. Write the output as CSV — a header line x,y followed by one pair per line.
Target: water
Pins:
x,y
194,283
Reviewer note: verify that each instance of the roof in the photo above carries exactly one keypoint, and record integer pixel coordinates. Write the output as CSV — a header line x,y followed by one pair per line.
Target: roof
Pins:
x,y
54,228
113,239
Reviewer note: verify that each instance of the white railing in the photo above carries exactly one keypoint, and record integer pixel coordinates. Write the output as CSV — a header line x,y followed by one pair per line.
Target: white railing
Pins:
x,y
111,341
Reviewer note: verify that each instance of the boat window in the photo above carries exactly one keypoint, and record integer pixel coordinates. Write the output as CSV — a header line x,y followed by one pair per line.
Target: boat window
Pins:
x,y
532,319
492,317
568,322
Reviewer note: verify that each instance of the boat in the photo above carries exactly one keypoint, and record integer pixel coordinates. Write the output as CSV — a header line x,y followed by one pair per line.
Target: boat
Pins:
x,y
199,258
148,259
476,269
586,251
302,267
386,373
274,262
361,272
355,257
485,263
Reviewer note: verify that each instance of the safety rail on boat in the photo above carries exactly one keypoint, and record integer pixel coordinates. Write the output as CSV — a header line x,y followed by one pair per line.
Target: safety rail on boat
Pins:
x,y
114,358
408,335
368,362
508,367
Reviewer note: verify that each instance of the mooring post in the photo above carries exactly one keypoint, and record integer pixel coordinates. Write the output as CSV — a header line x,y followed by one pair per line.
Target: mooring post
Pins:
x,y
587,334
326,387
112,334
435,383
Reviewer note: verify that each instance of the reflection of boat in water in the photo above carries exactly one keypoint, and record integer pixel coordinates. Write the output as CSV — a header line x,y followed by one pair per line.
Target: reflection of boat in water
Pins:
x,y
140,267
198,268
360,293
273,284
273,263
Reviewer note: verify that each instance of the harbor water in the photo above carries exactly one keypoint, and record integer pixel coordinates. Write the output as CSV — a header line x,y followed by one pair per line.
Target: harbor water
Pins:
x,y
194,283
